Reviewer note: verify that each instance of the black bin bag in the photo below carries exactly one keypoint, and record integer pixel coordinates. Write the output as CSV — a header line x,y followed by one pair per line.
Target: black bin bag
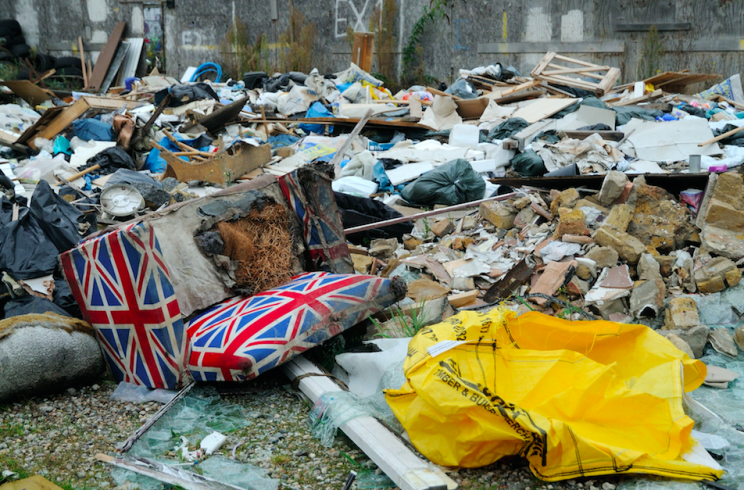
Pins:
x,y
358,211
454,182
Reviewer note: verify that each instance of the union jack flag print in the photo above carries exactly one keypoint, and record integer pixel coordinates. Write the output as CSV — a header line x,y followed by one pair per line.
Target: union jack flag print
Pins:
x,y
121,283
315,206
242,337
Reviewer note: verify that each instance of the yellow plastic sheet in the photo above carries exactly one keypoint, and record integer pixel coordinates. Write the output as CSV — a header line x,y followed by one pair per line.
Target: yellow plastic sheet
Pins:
x,y
574,398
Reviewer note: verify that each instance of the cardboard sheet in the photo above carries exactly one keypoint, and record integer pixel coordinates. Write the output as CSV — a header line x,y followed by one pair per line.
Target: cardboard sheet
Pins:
x,y
673,142
539,109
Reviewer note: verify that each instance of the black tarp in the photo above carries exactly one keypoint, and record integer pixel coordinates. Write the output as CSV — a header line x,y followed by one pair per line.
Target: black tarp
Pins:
x,y
358,211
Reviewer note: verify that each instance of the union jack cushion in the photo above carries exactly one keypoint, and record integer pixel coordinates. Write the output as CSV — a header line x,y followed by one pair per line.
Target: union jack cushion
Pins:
x,y
121,283
243,337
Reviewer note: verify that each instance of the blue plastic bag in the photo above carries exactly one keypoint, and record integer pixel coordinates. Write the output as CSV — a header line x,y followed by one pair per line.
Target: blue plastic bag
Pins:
x,y
62,145
382,178
157,164
316,110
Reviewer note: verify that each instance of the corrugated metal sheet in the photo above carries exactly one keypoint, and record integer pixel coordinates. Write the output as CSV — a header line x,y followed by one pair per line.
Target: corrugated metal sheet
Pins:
x,y
131,60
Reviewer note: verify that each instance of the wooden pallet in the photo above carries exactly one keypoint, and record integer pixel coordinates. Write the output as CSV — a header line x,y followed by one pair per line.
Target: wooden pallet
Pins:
x,y
549,71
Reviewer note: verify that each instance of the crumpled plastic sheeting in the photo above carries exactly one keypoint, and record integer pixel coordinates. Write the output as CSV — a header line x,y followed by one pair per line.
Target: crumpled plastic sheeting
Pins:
x,y
573,398
334,409
195,416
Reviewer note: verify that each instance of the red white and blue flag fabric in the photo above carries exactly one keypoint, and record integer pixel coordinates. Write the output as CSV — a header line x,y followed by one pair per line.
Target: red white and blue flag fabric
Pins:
x,y
311,199
121,283
243,337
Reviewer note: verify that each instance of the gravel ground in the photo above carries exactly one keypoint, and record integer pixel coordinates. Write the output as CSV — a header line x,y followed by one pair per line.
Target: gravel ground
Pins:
x,y
57,437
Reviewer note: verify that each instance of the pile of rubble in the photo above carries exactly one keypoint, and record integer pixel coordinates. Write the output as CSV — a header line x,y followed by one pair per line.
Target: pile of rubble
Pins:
x,y
630,252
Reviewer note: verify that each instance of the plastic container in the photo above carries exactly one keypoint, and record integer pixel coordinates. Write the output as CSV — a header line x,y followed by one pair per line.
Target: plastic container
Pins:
x,y
356,186
464,136
213,442
717,168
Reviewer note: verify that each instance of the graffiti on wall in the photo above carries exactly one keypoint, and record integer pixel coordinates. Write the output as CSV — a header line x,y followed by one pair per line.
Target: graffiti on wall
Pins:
x,y
354,14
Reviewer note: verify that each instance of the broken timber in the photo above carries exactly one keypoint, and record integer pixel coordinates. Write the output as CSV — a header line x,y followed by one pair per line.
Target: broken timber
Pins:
x,y
548,71
383,448
71,113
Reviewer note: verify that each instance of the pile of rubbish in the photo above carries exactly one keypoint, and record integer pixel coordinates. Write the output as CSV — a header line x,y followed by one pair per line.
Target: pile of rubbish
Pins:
x,y
210,231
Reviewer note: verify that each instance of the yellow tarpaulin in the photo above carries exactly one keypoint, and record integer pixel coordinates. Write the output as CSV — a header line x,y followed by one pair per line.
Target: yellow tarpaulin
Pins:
x,y
574,398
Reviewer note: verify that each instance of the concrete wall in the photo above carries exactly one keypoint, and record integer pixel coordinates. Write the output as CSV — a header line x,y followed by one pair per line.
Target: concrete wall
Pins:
x,y
702,35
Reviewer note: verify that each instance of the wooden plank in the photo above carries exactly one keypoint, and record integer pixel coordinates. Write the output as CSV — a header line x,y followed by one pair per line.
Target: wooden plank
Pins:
x,y
542,108
59,123
578,71
723,136
82,61
111,104
48,116
612,75
378,443
520,87
461,299
578,62
645,98
544,62
363,49
106,56
28,91
434,91
571,82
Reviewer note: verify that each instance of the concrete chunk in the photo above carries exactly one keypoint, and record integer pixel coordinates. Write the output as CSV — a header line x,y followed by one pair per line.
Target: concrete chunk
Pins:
x,y
603,256
499,214
612,187
679,343
681,314
628,247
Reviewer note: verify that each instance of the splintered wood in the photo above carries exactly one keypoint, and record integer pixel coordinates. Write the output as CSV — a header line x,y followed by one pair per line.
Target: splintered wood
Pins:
x,y
548,70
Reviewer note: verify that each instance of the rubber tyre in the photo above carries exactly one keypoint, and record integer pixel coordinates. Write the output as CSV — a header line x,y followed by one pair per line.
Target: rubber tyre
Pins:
x,y
67,62
69,71
10,28
21,50
16,40
43,62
